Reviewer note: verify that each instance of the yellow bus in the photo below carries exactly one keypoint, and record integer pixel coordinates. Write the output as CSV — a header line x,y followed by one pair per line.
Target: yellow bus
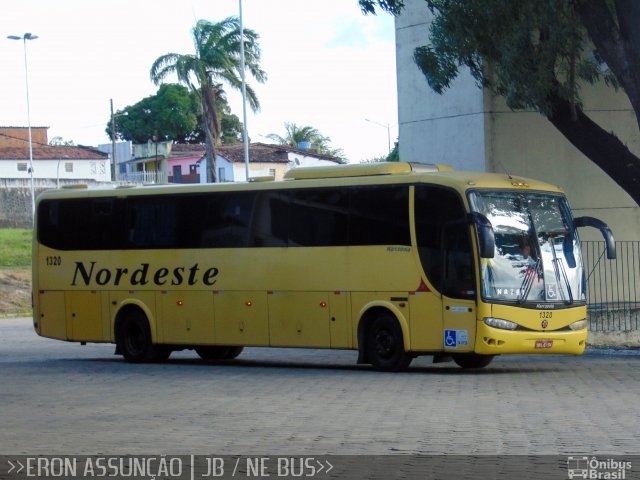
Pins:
x,y
394,260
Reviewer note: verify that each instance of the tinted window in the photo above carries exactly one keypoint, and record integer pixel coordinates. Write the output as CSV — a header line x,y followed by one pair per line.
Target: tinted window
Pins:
x,y
270,223
339,216
151,222
225,220
76,224
434,207
458,264
379,215
318,217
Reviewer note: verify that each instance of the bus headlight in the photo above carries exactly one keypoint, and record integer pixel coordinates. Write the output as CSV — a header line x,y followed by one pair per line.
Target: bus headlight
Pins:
x,y
579,325
500,323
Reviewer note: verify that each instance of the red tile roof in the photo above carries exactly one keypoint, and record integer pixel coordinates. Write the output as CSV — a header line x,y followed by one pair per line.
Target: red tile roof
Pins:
x,y
265,153
41,152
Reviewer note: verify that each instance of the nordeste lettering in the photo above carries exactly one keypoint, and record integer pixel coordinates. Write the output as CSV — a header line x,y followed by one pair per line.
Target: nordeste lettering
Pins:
x,y
143,275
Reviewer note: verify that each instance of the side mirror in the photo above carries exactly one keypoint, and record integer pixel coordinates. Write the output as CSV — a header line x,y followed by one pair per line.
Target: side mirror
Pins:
x,y
604,229
484,235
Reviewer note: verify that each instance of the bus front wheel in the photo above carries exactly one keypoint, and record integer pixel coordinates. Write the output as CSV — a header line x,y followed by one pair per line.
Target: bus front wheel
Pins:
x,y
472,360
218,353
133,339
385,345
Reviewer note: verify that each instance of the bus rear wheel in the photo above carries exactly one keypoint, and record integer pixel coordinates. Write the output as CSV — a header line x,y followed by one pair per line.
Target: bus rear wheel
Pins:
x,y
472,360
133,339
218,353
385,345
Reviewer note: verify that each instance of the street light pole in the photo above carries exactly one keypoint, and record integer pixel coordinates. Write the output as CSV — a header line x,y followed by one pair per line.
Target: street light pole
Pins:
x,y
114,161
387,126
24,38
245,136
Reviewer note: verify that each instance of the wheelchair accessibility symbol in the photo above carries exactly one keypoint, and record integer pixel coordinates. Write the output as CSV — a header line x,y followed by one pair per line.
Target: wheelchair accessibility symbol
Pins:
x,y
450,338
455,338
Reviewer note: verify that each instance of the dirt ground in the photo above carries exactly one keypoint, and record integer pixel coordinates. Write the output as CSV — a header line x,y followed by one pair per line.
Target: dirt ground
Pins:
x,y
15,292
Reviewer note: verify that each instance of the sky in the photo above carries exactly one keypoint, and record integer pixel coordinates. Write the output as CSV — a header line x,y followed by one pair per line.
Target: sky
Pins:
x,y
328,65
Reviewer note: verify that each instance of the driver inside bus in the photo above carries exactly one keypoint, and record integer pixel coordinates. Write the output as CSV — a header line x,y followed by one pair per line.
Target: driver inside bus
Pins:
x,y
524,248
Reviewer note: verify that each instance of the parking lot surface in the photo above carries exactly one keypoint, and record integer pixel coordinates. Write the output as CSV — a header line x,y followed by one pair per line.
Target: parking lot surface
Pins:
x,y
64,398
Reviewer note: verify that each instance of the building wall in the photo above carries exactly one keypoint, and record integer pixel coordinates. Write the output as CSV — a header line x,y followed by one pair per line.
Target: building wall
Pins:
x,y
185,164
435,128
470,129
98,170
299,160
527,144
17,136
15,207
259,169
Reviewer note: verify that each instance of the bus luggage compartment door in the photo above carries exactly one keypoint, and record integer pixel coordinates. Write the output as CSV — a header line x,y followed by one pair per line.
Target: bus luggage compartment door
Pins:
x,y
241,318
186,317
299,319
52,322
84,316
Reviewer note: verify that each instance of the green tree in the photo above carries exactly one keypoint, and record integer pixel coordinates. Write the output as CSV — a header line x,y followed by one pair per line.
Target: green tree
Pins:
x,y
538,54
61,142
172,114
394,154
216,60
295,135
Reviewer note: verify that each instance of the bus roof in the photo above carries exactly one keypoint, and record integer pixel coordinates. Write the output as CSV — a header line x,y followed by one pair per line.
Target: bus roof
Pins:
x,y
352,174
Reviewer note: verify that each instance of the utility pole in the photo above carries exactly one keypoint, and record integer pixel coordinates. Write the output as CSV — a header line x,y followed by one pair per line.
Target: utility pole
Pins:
x,y
245,135
114,166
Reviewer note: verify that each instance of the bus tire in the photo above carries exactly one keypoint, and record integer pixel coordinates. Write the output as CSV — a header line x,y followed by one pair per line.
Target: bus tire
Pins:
x,y
472,360
133,340
210,352
385,344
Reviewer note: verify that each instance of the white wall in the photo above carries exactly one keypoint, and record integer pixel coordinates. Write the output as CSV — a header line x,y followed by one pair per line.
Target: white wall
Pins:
x,y
300,160
434,128
98,170
229,170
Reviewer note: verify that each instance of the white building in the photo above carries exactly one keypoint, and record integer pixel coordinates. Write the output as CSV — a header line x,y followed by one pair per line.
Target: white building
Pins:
x,y
264,160
62,164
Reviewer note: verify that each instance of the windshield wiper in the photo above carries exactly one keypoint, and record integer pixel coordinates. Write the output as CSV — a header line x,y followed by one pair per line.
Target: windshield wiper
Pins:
x,y
558,268
527,283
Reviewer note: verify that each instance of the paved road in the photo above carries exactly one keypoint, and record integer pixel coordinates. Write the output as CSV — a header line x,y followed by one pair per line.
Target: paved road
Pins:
x,y
63,398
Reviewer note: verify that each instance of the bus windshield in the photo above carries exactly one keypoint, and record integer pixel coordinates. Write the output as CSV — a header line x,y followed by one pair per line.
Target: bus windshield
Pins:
x,y
537,253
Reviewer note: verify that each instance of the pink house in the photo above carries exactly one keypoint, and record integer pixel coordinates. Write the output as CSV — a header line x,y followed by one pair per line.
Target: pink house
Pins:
x,y
182,164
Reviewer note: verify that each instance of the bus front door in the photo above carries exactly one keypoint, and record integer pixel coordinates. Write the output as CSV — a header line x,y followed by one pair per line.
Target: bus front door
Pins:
x,y
459,291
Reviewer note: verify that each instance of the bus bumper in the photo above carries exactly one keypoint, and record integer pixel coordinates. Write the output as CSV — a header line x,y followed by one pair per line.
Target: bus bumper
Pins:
x,y
495,341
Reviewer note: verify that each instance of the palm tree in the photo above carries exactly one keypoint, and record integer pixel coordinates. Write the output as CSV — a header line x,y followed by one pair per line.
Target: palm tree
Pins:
x,y
296,134
217,60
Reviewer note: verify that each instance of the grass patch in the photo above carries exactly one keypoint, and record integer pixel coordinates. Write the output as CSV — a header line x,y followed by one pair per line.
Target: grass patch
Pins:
x,y
15,247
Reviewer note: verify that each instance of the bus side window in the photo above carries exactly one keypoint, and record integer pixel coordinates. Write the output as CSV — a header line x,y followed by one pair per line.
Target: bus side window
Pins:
x,y
270,219
379,215
227,220
458,261
435,207
152,222
318,217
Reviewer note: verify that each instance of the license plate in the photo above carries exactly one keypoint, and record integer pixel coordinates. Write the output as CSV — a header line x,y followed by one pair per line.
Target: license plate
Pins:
x,y
544,343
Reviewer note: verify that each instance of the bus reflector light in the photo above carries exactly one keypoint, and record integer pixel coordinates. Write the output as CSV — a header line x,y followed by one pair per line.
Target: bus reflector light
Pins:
x,y
180,303
248,303
422,287
323,304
